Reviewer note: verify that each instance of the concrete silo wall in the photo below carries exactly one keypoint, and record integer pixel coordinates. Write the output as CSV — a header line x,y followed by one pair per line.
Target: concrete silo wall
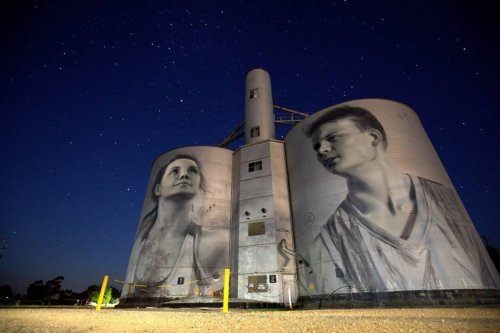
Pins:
x,y
182,243
374,212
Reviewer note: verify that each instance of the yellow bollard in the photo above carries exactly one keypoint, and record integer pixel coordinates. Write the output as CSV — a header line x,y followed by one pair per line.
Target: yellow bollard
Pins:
x,y
101,294
225,304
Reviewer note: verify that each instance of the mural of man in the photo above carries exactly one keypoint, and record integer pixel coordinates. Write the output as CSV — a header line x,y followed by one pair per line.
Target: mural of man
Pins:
x,y
393,231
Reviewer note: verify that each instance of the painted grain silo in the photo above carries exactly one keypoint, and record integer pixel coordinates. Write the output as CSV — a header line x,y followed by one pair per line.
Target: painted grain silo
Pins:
x,y
352,207
182,242
374,211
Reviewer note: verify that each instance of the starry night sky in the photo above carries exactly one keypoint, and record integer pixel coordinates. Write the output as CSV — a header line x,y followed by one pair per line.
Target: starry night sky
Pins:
x,y
93,91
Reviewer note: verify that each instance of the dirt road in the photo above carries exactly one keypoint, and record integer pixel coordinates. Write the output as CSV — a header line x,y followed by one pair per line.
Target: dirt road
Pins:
x,y
212,320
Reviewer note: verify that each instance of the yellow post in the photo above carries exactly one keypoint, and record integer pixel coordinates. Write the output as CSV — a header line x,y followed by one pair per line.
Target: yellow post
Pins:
x,y
225,304
101,294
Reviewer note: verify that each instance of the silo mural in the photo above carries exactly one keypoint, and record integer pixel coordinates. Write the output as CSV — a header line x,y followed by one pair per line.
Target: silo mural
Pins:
x,y
357,202
182,242
373,208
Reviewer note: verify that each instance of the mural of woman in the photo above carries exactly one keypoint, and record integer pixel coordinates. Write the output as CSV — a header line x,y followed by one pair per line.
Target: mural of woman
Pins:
x,y
167,247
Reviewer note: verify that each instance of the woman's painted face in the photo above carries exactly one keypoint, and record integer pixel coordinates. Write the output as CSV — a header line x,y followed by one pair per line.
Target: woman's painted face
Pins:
x,y
182,177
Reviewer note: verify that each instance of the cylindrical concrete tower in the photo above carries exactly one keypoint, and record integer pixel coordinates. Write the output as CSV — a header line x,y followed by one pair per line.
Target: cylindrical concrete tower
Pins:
x,y
259,119
182,242
374,210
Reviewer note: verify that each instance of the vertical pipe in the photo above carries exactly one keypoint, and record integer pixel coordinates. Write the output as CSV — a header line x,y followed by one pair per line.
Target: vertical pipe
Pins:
x,y
290,298
101,294
227,276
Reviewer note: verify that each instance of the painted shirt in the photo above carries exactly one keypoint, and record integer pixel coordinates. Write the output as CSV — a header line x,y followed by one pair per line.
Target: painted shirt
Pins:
x,y
437,250
170,267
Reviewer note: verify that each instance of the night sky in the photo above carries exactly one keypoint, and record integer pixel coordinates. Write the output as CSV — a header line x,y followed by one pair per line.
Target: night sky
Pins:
x,y
93,91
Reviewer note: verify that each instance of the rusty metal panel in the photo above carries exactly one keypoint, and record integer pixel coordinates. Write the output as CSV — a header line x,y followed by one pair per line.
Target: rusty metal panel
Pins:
x,y
256,228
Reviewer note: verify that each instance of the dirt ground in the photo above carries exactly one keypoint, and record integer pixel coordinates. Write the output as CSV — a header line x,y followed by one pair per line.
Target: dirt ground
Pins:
x,y
80,319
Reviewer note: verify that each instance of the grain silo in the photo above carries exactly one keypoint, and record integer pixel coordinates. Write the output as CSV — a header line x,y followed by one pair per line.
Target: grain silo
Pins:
x,y
353,207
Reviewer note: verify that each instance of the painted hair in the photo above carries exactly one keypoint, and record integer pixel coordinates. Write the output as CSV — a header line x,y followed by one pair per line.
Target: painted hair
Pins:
x,y
362,118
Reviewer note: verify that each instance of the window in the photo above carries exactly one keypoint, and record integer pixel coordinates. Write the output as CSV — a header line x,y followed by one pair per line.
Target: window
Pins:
x,y
254,93
256,228
254,131
254,166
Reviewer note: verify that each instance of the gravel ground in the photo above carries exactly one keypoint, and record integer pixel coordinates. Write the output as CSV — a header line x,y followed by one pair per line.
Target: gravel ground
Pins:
x,y
212,320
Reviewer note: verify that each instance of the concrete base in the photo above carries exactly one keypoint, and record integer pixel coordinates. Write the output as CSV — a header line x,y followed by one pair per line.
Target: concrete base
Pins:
x,y
402,299
194,302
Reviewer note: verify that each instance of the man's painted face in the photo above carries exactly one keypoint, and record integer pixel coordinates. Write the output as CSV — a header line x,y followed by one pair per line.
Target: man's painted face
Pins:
x,y
342,147
182,176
